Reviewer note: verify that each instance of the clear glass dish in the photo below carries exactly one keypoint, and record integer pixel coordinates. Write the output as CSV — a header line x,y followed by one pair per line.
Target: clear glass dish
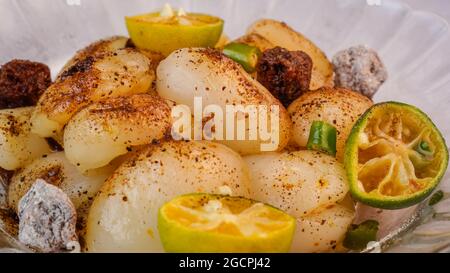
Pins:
x,y
413,45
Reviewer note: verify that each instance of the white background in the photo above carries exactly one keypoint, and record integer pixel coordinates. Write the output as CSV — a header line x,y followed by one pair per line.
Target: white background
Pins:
x,y
440,7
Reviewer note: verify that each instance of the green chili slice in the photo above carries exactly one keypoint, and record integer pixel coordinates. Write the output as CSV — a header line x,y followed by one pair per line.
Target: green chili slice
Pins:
x,y
358,236
245,55
322,137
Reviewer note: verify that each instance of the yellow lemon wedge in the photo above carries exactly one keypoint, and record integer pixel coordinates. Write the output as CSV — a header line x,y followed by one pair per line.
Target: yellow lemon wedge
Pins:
x,y
224,224
170,30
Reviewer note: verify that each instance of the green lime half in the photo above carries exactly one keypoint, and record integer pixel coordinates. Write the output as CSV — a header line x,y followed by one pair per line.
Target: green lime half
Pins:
x,y
394,156
165,33
217,223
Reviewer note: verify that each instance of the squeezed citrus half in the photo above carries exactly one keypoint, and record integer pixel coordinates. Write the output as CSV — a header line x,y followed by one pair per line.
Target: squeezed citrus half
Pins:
x,y
218,223
394,156
165,32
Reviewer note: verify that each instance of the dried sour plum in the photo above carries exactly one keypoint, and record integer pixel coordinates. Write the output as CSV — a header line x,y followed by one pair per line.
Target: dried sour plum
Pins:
x,y
47,218
359,68
22,82
286,74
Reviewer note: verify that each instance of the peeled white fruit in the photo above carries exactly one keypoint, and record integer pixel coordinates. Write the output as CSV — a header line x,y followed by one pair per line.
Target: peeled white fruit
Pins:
x,y
322,231
110,74
297,182
256,40
101,46
310,186
57,170
217,80
18,146
337,106
107,129
123,217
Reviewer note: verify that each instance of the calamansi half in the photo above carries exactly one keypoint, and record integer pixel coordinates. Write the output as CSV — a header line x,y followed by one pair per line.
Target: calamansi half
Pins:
x,y
217,223
394,156
170,30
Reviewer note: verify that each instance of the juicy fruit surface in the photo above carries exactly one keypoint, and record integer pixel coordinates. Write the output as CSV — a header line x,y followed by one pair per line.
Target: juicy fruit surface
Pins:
x,y
165,34
216,223
384,161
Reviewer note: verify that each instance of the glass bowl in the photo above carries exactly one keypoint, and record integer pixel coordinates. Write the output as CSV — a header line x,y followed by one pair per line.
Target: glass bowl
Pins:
x,y
413,45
